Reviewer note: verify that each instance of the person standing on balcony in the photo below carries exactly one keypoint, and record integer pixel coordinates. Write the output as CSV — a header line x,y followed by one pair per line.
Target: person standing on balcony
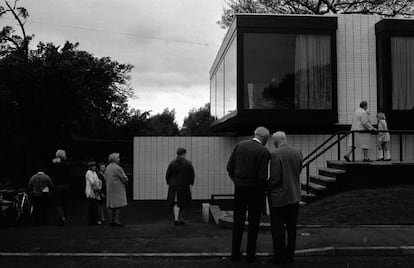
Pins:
x,y
360,121
284,195
248,169
180,177
383,139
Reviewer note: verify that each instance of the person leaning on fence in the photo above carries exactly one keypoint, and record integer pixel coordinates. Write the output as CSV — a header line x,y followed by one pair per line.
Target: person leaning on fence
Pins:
x,y
383,139
40,189
179,176
93,188
116,182
284,194
360,121
60,178
248,169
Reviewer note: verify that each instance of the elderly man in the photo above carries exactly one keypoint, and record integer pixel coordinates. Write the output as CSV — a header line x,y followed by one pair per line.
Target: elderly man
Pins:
x,y
248,168
284,196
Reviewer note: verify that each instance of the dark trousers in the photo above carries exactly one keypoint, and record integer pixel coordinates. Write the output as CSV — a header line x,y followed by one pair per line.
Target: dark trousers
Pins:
x,y
251,199
93,211
283,221
40,207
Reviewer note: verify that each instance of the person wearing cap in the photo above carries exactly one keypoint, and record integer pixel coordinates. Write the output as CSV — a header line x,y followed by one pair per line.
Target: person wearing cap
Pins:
x,y
248,169
179,176
92,188
116,182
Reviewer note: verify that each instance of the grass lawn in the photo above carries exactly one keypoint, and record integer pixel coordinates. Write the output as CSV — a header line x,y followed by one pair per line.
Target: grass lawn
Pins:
x,y
391,205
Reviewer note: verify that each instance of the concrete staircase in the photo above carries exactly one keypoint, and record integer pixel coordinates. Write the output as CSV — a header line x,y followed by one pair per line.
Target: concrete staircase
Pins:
x,y
324,183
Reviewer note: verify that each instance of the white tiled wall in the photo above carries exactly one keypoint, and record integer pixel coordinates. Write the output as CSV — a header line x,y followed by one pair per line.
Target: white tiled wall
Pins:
x,y
208,154
356,65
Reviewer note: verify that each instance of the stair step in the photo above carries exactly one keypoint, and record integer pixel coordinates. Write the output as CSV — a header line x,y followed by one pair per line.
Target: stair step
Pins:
x,y
331,172
308,198
336,164
323,180
315,186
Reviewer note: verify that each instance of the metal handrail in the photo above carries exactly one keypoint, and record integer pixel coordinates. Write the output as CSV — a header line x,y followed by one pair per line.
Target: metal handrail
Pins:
x,y
319,147
337,142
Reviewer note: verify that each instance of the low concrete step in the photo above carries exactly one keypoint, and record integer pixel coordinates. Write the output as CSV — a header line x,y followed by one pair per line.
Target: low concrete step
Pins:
x,y
308,198
337,164
315,188
322,180
331,172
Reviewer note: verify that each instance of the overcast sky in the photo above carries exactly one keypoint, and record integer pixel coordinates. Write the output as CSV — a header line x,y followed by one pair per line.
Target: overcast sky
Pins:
x,y
171,43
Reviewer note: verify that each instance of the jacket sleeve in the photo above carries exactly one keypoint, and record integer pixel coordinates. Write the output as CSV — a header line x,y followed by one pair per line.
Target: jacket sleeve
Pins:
x,y
275,171
168,174
230,163
263,166
192,175
365,121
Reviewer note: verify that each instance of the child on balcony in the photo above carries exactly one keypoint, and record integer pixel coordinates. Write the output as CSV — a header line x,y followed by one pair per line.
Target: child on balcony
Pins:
x,y
383,139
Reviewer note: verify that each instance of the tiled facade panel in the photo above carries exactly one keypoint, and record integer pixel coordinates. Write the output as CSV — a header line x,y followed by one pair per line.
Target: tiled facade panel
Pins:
x,y
208,154
356,65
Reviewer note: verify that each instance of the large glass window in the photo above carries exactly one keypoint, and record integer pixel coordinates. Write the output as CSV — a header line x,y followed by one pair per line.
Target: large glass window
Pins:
x,y
213,96
220,91
287,71
230,78
402,70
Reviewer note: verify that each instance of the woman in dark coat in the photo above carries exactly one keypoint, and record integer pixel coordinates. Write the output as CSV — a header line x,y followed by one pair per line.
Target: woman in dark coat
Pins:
x,y
180,175
61,181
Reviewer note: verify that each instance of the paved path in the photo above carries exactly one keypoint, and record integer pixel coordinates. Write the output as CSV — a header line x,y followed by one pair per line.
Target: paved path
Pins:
x,y
196,237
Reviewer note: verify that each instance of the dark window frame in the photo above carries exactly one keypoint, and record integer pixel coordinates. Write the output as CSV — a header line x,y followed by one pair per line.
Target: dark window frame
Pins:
x,y
296,120
385,30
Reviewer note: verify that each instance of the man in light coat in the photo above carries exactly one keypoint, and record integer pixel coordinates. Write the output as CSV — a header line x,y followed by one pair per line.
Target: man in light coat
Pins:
x,y
284,196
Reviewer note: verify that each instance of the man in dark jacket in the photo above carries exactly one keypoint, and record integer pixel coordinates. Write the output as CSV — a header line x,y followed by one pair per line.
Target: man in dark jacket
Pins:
x,y
284,197
180,175
40,189
248,168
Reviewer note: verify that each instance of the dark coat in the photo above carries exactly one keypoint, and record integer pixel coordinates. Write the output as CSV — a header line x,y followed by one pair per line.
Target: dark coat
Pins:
x,y
284,181
248,164
179,176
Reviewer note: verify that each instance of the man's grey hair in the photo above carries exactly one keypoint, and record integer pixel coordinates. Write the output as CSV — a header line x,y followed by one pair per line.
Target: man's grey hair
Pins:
x,y
113,157
262,132
280,137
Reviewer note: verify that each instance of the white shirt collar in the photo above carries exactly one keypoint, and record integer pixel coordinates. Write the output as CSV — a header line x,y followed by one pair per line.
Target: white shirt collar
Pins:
x,y
256,139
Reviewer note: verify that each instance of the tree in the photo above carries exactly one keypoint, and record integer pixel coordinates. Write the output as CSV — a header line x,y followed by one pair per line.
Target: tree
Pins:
x,y
198,122
57,94
163,124
388,8
9,40
137,125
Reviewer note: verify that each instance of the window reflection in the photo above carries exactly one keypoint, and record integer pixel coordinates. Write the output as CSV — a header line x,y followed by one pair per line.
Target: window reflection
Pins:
x,y
213,96
230,89
220,91
287,71
402,69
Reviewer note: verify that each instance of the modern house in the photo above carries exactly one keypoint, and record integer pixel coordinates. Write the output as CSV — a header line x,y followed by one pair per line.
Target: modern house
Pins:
x,y
305,75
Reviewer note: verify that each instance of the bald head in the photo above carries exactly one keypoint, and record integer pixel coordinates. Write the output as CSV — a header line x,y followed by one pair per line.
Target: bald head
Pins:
x,y
279,138
262,134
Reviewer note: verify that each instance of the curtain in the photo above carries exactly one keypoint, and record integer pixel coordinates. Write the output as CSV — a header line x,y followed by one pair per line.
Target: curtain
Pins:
x,y
402,69
313,79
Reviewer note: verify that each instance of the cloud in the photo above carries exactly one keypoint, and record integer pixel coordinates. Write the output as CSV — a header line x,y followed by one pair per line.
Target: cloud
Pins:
x,y
171,43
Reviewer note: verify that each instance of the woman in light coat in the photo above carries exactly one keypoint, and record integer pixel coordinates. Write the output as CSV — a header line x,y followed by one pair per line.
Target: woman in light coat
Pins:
x,y
360,121
92,191
116,181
